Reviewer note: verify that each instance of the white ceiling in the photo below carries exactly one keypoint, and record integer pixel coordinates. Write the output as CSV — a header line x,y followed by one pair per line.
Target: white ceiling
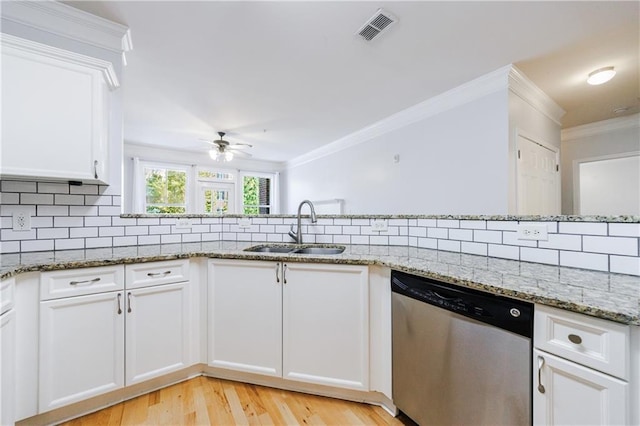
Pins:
x,y
289,77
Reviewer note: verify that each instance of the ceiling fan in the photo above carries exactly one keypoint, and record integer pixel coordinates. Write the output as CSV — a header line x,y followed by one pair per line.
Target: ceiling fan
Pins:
x,y
223,150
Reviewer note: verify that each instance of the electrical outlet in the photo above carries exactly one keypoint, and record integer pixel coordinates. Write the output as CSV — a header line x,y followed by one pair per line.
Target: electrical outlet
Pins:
x,y
21,221
244,223
183,223
379,225
533,232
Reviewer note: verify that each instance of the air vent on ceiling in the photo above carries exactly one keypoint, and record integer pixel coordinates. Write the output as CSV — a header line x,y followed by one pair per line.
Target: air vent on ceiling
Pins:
x,y
376,25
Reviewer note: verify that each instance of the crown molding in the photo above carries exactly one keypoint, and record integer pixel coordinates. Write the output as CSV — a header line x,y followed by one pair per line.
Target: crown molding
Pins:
x,y
468,92
526,89
69,22
601,127
22,46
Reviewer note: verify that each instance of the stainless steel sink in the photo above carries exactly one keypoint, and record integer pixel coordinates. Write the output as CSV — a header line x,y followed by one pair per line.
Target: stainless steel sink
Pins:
x,y
319,250
295,250
270,249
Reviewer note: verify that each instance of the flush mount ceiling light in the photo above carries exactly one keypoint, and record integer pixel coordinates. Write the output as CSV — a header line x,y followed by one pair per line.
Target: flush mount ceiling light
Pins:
x,y
601,75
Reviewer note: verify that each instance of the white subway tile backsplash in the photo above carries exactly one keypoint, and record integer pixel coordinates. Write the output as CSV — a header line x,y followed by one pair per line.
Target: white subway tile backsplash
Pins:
x,y
137,230
37,245
481,236
191,238
324,239
399,240
275,238
111,231
67,221
11,235
150,239
6,222
83,232
333,229
53,188
160,229
77,243
624,229
361,222
340,221
625,265
9,246
275,220
562,242
83,189
268,229
427,223
148,221
461,234
8,210
97,221
575,259
430,243
359,239
52,233
17,186
36,198
98,242
42,222
610,245
474,248
473,224
537,255
53,211
351,230
379,240
449,245
207,236
83,211
9,198
123,221
504,252
109,211
584,228
99,200
511,239
502,225
125,241
441,233
69,200
447,223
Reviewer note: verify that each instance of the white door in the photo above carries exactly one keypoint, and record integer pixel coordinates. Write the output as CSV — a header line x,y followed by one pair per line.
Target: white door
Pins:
x,y
157,331
326,324
245,316
7,366
576,395
81,348
216,197
538,178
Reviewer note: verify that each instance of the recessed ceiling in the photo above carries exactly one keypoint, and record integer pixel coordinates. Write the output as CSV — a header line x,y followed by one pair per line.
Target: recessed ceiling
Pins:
x,y
290,77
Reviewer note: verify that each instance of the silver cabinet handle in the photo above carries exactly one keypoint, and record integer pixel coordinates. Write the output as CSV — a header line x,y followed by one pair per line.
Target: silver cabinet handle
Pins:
x,y
277,272
95,169
575,339
157,274
95,280
119,305
129,302
284,273
541,388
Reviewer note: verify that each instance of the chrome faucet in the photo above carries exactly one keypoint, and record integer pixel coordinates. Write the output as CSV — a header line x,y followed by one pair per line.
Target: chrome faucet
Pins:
x,y
297,235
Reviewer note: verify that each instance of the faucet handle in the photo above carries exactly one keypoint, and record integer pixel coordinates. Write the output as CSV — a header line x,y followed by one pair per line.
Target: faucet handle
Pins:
x,y
292,234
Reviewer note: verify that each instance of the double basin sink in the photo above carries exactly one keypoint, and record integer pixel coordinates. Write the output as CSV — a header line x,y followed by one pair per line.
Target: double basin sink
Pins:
x,y
296,249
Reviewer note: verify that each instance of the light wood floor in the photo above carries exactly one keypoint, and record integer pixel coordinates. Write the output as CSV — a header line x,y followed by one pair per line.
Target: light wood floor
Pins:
x,y
208,401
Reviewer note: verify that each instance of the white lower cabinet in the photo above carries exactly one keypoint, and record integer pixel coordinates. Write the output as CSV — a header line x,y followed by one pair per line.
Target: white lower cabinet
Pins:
x,y
87,342
81,348
304,322
581,376
577,395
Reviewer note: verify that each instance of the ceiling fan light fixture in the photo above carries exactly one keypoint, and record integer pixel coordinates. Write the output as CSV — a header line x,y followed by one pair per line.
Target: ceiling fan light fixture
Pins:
x,y
213,153
601,76
228,156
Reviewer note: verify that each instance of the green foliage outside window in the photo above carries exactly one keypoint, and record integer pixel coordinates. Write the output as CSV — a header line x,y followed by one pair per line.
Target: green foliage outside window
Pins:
x,y
166,190
250,195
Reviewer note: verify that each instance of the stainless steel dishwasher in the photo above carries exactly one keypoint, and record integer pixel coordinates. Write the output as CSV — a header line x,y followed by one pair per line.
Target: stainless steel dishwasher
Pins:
x,y
460,356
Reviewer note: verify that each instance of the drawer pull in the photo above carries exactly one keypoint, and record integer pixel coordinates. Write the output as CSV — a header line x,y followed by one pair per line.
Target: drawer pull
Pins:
x,y
541,388
158,274
575,339
95,280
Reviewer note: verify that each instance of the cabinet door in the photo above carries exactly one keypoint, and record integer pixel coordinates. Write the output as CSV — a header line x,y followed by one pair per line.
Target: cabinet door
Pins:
x,y
81,348
245,316
7,367
55,113
157,331
326,324
576,395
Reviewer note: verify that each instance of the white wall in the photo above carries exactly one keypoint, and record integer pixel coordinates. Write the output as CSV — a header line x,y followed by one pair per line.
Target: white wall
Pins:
x,y
601,139
454,162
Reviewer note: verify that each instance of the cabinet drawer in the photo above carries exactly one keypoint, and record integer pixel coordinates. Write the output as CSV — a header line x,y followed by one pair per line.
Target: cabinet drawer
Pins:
x,y
7,289
593,342
77,282
156,273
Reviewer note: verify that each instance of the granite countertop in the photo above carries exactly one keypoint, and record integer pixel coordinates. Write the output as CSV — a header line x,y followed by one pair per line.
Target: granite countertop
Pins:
x,y
610,296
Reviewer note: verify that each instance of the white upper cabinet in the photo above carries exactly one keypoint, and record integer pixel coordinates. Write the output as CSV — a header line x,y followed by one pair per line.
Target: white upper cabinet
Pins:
x,y
55,113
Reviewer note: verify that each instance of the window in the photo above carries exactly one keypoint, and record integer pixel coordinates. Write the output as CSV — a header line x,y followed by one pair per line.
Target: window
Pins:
x,y
165,188
216,191
258,193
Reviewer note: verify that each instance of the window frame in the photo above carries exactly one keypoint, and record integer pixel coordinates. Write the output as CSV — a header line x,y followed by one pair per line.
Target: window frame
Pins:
x,y
274,206
140,196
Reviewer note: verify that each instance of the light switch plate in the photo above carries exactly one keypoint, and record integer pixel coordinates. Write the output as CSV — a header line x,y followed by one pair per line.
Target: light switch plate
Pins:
x,y
380,225
183,223
244,223
21,221
533,232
